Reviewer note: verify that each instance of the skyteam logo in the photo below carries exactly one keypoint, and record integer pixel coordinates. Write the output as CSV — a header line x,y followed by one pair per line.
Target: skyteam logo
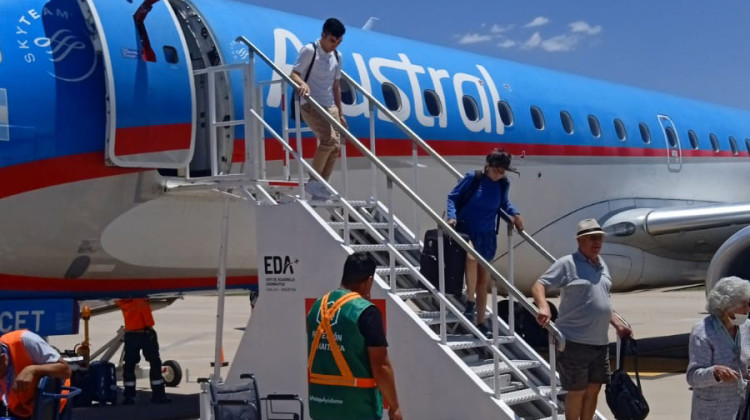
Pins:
x,y
56,37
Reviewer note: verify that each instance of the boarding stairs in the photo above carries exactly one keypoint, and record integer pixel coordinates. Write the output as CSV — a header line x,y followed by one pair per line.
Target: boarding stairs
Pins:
x,y
504,367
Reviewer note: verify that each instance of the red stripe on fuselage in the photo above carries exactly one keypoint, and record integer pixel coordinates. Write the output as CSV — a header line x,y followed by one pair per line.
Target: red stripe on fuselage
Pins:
x,y
31,176
14,283
402,147
62,170
152,139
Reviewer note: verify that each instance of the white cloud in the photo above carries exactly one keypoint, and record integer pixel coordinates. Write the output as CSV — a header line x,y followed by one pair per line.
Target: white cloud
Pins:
x,y
533,42
584,28
498,29
564,42
537,22
507,43
474,38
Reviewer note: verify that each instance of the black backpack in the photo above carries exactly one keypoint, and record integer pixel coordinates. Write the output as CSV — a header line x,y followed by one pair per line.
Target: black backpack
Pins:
x,y
624,398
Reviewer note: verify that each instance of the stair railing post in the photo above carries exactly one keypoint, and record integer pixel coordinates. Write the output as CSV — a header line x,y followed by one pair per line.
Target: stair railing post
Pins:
x,y
441,284
260,135
511,279
285,127
250,164
415,163
552,371
495,338
391,235
345,172
211,75
300,153
221,289
373,169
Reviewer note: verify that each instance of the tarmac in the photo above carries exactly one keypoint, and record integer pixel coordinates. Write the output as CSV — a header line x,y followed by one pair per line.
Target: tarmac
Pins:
x,y
661,321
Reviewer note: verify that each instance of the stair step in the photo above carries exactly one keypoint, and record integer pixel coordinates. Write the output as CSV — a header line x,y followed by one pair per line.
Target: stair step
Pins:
x,y
384,271
505,388
358,225
384,247
433,317
525,395
487,367
333,202
469,341
407,294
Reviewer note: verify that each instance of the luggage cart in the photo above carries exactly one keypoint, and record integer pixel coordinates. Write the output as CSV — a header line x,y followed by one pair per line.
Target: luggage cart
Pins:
x,y
242,401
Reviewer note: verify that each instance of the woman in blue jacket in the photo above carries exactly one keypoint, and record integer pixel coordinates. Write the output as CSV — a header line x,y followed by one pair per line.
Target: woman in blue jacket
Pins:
x,y
473,206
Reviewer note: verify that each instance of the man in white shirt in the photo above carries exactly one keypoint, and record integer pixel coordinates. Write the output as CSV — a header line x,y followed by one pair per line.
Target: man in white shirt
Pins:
x,y
317,72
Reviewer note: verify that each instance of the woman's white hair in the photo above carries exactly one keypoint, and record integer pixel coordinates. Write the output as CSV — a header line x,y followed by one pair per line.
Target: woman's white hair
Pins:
x,y
726,294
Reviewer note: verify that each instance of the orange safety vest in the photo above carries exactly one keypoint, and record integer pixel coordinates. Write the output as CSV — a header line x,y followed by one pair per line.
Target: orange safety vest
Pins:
x,y
346,378
22,402
137,314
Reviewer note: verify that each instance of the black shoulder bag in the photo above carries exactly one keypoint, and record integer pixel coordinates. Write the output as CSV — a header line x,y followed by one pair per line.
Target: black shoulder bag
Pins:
x,y
624,398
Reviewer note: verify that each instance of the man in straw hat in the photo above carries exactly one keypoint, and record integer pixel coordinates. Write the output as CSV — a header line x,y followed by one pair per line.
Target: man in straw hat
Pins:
x,y
585,314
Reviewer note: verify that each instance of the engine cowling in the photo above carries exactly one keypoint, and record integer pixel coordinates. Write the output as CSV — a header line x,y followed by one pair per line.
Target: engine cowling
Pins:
x,y
731,259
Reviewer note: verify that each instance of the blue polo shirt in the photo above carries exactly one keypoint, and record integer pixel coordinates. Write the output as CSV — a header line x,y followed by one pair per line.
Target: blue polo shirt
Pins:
x,y
585,309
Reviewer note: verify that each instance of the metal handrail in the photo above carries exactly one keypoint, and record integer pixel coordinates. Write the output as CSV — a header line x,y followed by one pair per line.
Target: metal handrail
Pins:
x,y
442,224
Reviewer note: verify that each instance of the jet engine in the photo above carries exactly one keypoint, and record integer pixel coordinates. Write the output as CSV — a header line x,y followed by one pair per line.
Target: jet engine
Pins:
x,y
732,259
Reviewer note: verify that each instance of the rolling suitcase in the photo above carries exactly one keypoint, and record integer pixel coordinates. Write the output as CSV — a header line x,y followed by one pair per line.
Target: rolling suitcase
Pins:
x,y
102,382
454,257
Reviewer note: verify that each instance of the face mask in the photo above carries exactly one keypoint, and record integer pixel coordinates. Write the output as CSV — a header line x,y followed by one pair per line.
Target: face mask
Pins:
x,y
738,320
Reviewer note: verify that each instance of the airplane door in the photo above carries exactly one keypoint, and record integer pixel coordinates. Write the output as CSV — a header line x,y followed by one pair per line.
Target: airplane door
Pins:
x,y
150,104
672,143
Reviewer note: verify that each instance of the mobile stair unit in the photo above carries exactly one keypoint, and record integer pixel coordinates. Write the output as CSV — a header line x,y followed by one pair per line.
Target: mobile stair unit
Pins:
x,y
445,368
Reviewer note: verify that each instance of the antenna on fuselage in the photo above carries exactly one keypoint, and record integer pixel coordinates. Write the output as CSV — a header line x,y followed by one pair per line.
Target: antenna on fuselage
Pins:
x,y
370,22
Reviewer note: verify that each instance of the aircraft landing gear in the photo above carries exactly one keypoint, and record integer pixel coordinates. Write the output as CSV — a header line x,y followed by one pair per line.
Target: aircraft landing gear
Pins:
x,y
171,371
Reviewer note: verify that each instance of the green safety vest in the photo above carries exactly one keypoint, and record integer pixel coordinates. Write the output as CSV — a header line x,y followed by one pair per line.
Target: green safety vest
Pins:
x,y
341,385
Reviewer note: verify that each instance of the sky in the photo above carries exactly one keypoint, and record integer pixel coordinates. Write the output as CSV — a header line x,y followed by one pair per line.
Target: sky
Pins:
x,y
697,49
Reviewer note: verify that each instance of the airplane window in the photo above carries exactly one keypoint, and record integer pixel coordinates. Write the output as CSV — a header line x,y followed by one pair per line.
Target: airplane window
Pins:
x,y
471,108
348,94
733,145
671,137
170,54
506,114
596,129
693,139
714,142
538,117
432,100
391,96
645,133
622,134
567,122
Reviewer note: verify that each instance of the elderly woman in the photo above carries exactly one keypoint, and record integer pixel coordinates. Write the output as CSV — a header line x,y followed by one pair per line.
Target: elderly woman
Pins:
x,y
720,352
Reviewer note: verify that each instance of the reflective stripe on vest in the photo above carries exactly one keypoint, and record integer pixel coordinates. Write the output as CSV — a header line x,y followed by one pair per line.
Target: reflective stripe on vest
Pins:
x,y
346,378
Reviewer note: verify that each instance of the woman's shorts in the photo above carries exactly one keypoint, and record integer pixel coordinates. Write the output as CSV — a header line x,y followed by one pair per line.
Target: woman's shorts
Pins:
x,y
485,244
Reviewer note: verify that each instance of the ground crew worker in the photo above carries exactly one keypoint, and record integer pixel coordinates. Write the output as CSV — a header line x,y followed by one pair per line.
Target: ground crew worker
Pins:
x,y
25,358
348,365
140,336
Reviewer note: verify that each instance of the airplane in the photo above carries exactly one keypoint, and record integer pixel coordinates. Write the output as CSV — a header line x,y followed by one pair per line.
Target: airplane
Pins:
x,y
100,109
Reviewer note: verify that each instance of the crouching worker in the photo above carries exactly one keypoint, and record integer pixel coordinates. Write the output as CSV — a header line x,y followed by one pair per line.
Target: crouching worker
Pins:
x,y
141,336
24,359
348,365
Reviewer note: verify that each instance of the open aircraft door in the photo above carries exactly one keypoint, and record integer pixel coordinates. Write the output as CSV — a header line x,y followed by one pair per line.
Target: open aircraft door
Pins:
x,y
150,98
672,143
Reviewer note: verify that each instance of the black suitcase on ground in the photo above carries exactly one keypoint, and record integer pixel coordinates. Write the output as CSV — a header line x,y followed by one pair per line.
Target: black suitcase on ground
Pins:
x,y
455,262
102,382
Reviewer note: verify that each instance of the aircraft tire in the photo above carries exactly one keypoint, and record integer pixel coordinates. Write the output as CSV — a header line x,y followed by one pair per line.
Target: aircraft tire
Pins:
x,y
171,371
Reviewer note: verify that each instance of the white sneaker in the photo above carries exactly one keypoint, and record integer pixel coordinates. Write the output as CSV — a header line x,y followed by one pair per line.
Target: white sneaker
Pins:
x,y
317,190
